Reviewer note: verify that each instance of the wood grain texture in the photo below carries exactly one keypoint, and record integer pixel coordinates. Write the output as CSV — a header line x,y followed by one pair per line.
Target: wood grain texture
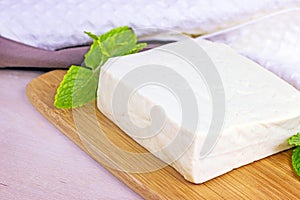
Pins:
x,y
269,178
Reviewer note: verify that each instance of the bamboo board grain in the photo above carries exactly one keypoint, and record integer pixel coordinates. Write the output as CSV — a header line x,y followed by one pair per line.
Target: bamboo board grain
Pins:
x,y
269,178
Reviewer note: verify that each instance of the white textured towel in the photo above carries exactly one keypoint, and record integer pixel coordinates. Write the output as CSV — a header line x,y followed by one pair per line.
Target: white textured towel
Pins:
x,y
55,24
273,42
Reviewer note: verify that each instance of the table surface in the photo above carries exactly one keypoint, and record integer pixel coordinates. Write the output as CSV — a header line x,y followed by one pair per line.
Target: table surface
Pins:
x,y
39,162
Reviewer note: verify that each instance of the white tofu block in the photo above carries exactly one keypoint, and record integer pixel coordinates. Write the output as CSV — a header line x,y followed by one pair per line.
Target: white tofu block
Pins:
x,y
261,110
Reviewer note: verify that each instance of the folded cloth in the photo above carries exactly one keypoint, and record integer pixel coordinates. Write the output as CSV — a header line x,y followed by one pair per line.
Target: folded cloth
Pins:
x,y
273,42
55,24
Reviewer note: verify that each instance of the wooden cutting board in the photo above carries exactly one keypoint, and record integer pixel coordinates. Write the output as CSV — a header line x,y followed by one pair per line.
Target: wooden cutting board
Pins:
x,y
269,178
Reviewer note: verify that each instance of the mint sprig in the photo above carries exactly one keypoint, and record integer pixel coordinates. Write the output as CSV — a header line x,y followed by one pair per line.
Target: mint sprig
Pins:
x,y
77,88
296,160
295,140
79,85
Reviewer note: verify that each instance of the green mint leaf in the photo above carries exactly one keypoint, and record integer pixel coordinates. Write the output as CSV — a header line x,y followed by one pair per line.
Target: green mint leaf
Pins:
x,y
92,35
94,57
138,48
296,160
294,140
114,32
79,86
118,42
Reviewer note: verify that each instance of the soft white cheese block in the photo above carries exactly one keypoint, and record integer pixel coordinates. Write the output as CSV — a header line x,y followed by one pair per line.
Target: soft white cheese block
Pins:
x,y
261,110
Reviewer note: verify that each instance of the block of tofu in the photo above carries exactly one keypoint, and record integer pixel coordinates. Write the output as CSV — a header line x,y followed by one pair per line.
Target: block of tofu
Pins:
x,y
261,110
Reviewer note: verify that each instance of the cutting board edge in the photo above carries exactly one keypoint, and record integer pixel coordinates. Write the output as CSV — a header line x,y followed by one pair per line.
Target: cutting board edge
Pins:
x,y
125,178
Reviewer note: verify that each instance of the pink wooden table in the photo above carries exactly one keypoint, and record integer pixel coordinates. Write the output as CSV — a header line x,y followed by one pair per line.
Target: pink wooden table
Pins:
x,y
39,162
